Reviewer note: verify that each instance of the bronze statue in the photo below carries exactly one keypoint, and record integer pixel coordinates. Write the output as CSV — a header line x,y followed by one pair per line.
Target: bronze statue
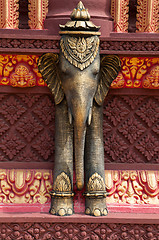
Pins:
x,y
79,82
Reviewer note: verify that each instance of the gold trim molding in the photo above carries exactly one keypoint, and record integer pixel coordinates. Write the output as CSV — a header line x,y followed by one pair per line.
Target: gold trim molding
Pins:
x,y
37,13
119,12
148,16
132,187
25,186
29,186
9,14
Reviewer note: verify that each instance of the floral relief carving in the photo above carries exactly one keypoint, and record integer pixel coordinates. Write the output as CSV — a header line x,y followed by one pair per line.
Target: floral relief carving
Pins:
x,y
29,127
11,109
25,186
44,110
11,145
115,111
148,146
44,145
78,231
132,129
149,112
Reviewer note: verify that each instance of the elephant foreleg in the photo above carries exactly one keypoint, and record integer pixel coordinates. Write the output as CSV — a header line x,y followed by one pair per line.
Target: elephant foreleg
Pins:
x,y
62,194
94,165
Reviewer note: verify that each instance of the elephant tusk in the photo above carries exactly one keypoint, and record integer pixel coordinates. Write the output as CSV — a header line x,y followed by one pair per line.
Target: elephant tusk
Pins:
x,y
89,116
69,116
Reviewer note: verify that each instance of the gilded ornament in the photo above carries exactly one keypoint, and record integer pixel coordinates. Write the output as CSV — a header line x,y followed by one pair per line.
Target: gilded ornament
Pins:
x,y
80,51
22,77
151,80
80,20
62,183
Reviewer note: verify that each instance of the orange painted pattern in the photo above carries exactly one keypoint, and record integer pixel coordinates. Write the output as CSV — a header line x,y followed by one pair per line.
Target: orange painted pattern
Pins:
x,y
20,71
136,72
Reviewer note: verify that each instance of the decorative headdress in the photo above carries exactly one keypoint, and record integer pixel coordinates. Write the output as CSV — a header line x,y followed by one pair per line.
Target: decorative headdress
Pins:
x,y
80,41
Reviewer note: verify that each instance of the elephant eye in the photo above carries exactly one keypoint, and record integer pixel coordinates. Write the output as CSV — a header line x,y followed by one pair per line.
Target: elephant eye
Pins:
x,y
95,73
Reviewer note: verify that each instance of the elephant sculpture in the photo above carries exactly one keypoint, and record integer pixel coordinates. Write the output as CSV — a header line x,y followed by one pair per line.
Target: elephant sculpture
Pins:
x,y
79,81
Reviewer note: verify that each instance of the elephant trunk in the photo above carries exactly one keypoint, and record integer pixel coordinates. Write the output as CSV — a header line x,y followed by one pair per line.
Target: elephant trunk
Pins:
x,y
79,144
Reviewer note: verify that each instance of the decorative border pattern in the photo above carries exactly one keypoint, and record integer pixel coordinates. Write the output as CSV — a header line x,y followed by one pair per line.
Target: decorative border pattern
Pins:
x,y
20,186
132,187
136,72
119,12
106,46
37,13
78,231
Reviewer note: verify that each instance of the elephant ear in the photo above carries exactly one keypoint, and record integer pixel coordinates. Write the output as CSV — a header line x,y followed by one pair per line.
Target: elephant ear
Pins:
x,y
110,67
48,67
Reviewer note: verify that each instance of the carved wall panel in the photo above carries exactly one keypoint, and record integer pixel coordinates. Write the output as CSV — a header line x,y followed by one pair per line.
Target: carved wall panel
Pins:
x,y
130,134
131,129
78,231
26,127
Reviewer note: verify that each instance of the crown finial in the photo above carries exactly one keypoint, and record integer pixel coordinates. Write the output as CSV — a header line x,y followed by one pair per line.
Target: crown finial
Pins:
x,y
80,21
80,13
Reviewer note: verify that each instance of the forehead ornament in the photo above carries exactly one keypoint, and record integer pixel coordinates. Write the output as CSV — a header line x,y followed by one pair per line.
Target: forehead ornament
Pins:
x,y
79,42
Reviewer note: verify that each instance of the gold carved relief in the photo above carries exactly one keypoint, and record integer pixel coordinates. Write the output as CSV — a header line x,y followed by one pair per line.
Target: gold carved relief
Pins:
x,y
33,186
132,187
119,12
9,14
80,51
138,72
20,70
25,186
151,80
148,16
95,183
62,183
37,13
22,77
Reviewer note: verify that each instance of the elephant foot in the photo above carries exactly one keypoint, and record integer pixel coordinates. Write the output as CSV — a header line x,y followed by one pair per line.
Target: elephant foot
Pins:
x,y
62,196
62,206
95,196
96,207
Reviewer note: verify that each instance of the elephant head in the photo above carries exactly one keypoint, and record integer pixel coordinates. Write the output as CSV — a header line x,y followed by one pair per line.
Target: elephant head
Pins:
x,y
78,75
